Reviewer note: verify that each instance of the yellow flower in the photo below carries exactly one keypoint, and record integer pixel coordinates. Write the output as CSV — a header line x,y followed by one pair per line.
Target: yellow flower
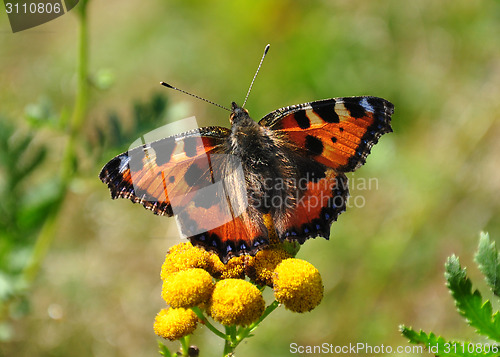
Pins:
x,y
181,257
236,302
235,268
261,268
173,324
297,285
187,288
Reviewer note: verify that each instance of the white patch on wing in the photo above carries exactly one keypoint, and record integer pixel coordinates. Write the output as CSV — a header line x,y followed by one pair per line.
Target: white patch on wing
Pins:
x,y
364,103
124,160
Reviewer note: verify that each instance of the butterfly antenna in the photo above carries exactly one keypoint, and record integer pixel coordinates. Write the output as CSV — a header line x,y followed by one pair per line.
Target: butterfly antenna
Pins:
x,y
258,68
193,95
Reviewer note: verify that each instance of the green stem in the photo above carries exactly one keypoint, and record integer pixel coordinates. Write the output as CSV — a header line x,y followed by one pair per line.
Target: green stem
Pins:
x,y
42,245
207,323
47,233
229,344
266,313
185,345
243,332
81,101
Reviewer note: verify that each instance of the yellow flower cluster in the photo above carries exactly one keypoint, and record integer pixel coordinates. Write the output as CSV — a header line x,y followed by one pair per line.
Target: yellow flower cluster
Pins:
x,y
173,324
297,285
187,288
236,302
193,277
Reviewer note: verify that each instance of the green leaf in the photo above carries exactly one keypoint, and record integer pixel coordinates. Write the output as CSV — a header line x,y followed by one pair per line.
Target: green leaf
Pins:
x,y
438,346
37,204
164,351
488,259
36,158
41,113
469,304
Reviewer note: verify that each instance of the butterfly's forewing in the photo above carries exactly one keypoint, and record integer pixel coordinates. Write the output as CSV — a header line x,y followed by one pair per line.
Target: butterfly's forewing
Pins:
x,y
333,136
154,173
194,177
338,133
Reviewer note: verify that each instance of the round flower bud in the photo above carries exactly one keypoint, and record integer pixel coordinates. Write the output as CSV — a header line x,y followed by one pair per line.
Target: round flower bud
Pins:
x,y
297,285
187,288
261,268
235,268
236,302
181,257
173,324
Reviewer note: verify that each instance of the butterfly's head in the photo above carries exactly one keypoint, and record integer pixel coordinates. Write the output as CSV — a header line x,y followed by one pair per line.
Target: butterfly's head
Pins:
x,y
238,113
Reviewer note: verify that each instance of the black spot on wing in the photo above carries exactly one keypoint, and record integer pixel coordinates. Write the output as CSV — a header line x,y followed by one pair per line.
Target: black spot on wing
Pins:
x,y
206,198
302,120
193,175
190,145
198,174
164,149
314,145
355,109
136,158
326,110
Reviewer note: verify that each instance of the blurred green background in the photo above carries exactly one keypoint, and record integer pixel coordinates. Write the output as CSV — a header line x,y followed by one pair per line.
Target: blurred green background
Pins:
x,y
80,272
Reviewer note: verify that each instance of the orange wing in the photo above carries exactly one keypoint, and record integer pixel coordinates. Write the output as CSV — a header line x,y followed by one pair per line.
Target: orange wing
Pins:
x,y
194,177
155,173
327,138
321,196
338,133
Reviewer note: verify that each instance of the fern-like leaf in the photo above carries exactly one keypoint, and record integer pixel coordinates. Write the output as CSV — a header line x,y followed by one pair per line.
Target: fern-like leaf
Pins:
x,y
488,261
440,347
470,304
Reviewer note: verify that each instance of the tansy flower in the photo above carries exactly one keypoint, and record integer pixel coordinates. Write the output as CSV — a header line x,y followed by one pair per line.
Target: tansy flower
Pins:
x,y
173,324
261,268
297,285
187,288
236,302
183,256
235,268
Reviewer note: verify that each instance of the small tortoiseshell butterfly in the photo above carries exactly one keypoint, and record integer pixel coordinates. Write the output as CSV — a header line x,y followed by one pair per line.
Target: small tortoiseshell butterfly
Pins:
x,y
219,182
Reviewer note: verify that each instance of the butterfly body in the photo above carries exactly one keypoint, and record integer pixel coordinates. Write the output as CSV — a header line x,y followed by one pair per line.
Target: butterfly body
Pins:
x,y
219,182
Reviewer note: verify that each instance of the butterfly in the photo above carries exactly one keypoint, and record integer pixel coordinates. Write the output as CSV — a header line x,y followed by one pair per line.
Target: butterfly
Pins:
x,y
220,183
